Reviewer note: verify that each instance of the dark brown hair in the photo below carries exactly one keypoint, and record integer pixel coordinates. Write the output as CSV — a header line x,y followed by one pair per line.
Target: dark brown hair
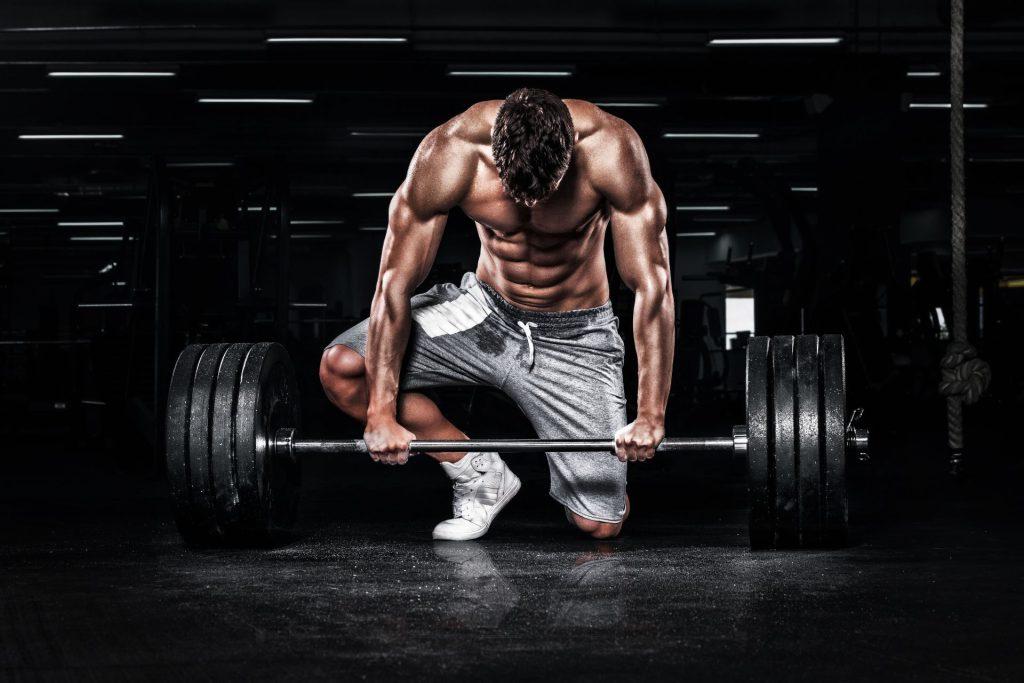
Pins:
x,y
532,144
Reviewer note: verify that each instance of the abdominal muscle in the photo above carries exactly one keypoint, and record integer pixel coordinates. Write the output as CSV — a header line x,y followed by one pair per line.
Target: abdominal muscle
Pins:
x,y
545,272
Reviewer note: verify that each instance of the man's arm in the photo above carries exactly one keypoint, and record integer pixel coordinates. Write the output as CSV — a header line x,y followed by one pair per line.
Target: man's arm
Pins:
x,y
438,177
638,213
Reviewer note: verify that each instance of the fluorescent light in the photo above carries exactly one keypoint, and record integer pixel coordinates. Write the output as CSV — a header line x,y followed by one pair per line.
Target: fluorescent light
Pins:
x,y
338,39
310,236
996,160
119,283
112,74
301,304
803,188
91,224
711,136
625,105
947,105
199,164
831,40
107,268
386,134
695,234
92,402
374,229
29,210
99,238
500,73
260,208
923,74
319,222
110,305
72,136
702,207
365,195
255,100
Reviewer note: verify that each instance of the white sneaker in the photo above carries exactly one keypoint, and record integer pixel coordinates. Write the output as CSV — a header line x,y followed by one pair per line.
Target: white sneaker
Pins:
x,y
483,485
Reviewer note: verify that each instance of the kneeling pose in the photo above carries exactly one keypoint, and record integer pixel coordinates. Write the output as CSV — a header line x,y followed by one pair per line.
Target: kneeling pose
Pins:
x,y
543,179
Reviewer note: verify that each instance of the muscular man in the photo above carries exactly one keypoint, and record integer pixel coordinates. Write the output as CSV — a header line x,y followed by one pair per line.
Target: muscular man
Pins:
x,y
543,179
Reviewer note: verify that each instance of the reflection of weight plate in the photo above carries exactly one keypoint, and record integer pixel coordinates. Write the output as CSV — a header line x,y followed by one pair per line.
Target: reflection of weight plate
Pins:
x,y
233,459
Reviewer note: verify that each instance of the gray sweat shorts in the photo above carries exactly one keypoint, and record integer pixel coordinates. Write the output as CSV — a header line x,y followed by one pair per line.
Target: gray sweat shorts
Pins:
x,y
563,369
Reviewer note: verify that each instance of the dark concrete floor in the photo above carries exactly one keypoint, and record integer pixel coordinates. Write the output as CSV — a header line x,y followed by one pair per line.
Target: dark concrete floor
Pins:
x,y
97,586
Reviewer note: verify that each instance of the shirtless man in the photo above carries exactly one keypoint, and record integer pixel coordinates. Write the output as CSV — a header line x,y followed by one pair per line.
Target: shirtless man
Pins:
x,y
543,179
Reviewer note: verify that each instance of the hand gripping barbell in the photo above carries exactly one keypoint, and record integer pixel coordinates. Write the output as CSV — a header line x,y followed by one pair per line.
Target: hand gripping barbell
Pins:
x,y
233,454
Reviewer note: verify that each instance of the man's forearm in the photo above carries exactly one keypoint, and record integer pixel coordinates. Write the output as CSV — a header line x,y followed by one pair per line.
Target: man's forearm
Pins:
x,y
388,334
654,333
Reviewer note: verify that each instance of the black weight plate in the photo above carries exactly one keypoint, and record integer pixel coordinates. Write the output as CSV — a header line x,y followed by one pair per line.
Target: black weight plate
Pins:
x,y
223,465
268,400
176,435
833,387
808,427
760,468
202,509
787,502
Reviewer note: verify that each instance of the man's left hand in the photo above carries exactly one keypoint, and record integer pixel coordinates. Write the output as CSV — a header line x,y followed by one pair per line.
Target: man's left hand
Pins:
x,y
638,440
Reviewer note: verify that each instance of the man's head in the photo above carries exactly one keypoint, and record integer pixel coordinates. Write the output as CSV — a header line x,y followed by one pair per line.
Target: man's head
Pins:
x,y
532,144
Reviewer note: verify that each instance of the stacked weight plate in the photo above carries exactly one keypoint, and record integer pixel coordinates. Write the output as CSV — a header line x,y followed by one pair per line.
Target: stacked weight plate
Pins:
x,y
796,403
224,402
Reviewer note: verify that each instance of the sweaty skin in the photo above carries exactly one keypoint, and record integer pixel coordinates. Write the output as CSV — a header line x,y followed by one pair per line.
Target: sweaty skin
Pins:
x,y
548,257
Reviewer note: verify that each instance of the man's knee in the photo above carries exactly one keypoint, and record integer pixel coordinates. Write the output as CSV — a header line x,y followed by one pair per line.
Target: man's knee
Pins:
x,y
594,528
342,374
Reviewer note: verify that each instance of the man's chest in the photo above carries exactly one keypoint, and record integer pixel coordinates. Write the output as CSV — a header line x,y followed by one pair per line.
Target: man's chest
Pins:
x,y
572,208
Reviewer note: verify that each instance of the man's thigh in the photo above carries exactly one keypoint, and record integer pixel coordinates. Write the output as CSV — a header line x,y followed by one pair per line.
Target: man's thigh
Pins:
x,y
575,391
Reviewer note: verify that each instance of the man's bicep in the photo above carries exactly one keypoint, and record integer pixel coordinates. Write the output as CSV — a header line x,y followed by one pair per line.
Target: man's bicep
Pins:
x,y
640,242
410,244
435,183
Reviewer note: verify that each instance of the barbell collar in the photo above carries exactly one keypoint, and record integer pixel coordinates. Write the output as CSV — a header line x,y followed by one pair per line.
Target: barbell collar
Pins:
x,y
858,443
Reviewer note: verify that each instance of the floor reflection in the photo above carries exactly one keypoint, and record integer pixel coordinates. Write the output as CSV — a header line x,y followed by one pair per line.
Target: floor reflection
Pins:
x,y
484,597
585,592
591,595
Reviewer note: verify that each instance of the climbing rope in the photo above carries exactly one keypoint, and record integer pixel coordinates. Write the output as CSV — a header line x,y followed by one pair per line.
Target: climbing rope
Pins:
x,y
964,376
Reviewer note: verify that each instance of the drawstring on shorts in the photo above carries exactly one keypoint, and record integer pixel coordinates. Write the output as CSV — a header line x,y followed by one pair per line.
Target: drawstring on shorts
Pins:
x,y
529,338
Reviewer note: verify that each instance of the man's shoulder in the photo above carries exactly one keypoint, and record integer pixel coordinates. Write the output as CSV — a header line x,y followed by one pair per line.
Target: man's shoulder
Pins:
x,y
472,126
595,125
606,142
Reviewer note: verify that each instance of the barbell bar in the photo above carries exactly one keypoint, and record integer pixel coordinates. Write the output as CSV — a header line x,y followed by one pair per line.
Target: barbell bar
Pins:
x,y
286,443
234,452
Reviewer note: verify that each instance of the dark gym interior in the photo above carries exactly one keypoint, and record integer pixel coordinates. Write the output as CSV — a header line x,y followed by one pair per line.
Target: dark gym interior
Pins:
x,y
179,173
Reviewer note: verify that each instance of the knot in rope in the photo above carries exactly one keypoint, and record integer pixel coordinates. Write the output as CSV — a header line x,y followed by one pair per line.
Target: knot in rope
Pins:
x,y
964,375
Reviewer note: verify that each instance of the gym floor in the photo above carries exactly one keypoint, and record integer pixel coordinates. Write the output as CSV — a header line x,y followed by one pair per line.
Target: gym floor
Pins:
x,y
98,586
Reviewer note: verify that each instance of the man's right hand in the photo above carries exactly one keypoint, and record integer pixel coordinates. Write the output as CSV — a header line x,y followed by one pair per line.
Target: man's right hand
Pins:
x,y
387,441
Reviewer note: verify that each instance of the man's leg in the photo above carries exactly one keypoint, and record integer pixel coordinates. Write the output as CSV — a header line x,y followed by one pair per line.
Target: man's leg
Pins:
x,y
573,390
343,376
595,528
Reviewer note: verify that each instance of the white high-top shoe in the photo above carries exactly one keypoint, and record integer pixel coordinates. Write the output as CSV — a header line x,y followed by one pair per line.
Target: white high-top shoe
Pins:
x,y
483,485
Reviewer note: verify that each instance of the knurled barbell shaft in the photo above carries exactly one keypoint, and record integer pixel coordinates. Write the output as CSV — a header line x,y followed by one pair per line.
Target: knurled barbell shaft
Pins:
x,y
325,446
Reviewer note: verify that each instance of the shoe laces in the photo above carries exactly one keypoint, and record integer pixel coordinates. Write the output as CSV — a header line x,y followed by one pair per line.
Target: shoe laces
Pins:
x,y
463,498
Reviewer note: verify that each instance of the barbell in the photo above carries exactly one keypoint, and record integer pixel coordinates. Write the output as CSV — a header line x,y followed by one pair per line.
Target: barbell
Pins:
x,y
234,452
